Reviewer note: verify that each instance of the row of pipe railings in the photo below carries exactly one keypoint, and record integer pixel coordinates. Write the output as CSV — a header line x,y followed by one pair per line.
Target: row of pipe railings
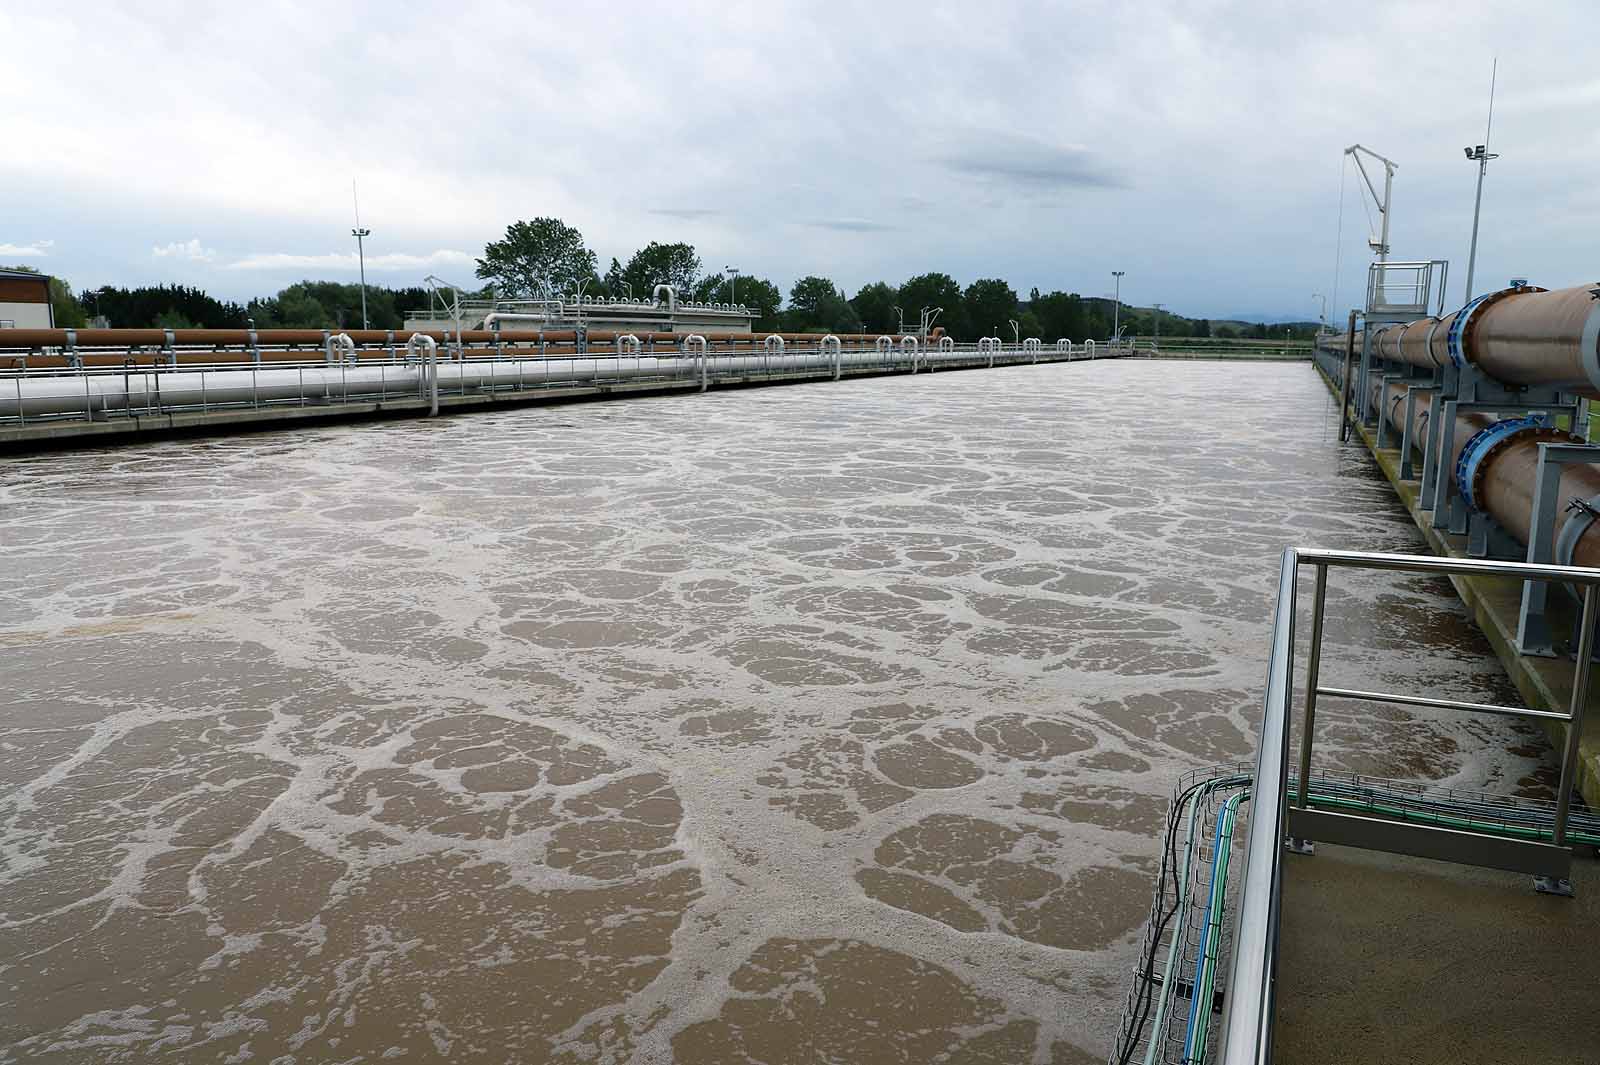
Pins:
x,y
1275,350
1485,406
1204,988
101,375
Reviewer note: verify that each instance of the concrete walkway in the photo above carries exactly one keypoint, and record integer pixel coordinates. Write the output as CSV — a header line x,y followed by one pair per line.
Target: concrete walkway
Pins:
x,y
1385,958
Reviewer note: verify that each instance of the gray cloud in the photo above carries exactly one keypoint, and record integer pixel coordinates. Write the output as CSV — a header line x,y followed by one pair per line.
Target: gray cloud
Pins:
x,y
686,214
1034,165
849,225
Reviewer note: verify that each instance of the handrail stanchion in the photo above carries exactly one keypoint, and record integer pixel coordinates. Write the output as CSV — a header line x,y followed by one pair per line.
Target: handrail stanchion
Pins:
x,y
1313,668
1580,697
1344,380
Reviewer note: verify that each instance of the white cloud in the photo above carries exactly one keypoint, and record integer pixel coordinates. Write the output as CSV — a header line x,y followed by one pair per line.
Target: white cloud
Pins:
x,y
186,251
347,261
35,250
1006,163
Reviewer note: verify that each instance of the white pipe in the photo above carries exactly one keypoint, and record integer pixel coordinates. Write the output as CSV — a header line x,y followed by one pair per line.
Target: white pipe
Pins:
x,y
628,344
947,343
831,346
429,354
493,319
694,346
341,343
672,297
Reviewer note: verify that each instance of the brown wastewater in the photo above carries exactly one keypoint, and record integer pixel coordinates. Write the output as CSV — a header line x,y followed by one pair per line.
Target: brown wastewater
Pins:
x,y
828,723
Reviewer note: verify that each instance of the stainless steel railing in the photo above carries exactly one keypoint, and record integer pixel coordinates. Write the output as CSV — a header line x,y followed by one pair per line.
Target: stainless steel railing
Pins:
x,y
1247,1028
40,393
1585,578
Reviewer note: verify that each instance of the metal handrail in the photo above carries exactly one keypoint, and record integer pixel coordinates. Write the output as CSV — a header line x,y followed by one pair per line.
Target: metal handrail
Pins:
x,y
1247,1029
1588,578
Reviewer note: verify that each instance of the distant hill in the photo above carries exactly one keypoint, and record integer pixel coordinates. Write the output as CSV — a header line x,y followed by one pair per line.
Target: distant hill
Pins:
x,y
1268,319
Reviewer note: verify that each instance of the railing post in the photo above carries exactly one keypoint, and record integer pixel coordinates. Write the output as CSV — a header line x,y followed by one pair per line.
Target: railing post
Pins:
x,y
1344,379
1580,697
1313,669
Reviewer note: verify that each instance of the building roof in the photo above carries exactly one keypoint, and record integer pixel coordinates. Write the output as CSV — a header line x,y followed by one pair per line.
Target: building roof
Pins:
x,y
24,274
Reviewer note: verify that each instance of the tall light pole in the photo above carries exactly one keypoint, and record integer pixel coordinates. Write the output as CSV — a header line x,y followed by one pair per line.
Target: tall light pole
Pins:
x,y
1116,306
1155,344
1480,155
361,251
733,284
1323,318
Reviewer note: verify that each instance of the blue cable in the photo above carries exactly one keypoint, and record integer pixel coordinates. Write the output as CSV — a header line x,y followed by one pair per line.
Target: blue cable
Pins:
x,y
1224,819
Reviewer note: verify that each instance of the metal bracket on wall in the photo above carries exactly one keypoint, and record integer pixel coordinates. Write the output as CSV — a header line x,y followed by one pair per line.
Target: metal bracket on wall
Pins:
x,y
1534,636
1407,464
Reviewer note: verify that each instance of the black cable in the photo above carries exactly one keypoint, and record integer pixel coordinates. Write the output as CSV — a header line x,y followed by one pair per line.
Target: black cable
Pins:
x,y
1146,972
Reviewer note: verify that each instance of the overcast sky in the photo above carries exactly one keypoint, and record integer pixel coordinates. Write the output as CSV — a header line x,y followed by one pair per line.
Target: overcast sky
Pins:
x,y
1195,145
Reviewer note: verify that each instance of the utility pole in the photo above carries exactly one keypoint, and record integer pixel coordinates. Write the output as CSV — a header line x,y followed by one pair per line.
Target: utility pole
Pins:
x,y
361,251
1323,318
1155,344
1116,306
733,284
1480,155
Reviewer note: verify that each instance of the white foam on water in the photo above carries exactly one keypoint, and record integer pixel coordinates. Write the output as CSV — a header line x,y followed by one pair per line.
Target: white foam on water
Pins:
x,y
625,697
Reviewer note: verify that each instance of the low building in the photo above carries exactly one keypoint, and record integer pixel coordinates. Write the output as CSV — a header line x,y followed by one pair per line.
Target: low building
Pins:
x,y
25,301
667,316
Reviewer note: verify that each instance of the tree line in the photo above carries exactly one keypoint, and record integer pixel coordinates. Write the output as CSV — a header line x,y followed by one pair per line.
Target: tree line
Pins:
x,y
544,258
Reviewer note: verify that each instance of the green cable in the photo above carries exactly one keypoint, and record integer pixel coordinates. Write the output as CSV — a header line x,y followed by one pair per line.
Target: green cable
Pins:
x,y
1486,827
1205,983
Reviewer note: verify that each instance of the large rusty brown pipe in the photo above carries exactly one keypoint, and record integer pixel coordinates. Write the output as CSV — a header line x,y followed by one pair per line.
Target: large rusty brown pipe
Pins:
x,y
1521,336
1540,338
1506,475
216,338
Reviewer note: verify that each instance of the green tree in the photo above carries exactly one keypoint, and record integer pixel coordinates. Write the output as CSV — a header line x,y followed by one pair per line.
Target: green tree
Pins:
x,y
64,306
991,304
612,282
542,257
655,264
936,290
1062,316
757,293
175,320
145,307
875,305
816,304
